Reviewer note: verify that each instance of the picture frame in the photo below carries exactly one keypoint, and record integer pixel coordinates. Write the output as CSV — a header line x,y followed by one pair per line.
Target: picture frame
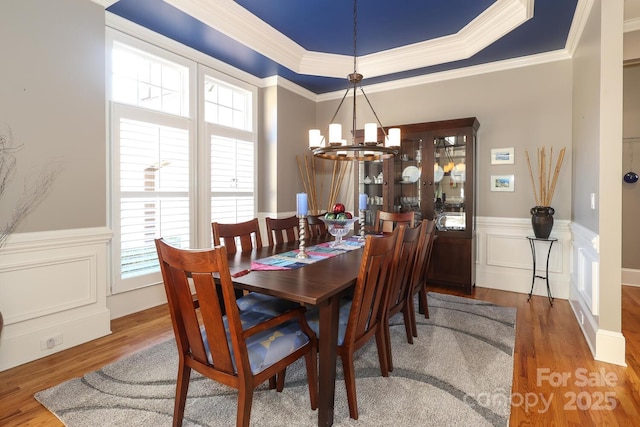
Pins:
x,y
503,183
502,156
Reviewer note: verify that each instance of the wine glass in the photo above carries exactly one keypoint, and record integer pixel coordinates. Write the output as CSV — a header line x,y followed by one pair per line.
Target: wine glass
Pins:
x,y
338,228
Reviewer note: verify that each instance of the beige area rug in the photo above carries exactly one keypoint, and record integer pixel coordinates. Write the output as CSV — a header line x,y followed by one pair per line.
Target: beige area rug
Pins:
x,y
458,372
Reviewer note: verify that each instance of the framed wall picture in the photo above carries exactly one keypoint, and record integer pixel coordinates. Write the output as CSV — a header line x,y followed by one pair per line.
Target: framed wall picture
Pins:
x,y
502,183
502,156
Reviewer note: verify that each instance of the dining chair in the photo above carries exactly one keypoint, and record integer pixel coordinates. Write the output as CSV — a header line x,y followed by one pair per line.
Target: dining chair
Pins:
x,y
316,227
280,230
403,265
239,349
361,317
244,236
419,275
387,221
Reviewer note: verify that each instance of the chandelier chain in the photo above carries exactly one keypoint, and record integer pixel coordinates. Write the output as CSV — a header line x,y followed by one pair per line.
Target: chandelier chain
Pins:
x,y
355,34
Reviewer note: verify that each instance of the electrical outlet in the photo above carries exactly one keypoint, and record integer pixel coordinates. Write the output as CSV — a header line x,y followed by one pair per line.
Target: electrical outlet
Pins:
x,y
50,342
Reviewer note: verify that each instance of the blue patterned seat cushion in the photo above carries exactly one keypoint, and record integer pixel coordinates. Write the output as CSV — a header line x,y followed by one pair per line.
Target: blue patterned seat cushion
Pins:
x,y
267,347
266,304
313,319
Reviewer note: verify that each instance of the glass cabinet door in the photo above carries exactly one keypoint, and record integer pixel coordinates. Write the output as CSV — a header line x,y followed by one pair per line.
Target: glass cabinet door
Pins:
x,y
449,178
371,182
407,167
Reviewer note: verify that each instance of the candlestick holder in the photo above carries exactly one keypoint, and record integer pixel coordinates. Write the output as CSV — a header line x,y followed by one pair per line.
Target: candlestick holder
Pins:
x,y
361,219
302,232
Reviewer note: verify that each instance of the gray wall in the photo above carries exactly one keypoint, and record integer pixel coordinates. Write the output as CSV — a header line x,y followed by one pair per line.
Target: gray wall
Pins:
x,y
525,108
287,117
52,97
597,124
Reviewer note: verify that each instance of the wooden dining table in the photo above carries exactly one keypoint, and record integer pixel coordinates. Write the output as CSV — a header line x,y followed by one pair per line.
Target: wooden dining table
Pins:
x,y
319,284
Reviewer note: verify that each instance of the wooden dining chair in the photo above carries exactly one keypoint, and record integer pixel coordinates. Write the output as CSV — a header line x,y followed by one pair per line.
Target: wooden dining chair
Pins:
x,y
386,222
403,264
361,317
246,235
419,275
316,227
280,230
239,349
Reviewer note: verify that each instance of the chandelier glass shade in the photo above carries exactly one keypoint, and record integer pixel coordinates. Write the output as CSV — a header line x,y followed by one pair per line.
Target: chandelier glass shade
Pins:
x,y
368,148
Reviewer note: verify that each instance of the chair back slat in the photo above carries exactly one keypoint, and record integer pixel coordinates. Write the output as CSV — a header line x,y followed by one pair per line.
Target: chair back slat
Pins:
x,y
280,230
386,222
246,235
317,227
422,257
404,263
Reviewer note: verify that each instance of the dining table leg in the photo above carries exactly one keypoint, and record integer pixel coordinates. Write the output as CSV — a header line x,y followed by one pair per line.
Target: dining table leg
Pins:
x,y
328,342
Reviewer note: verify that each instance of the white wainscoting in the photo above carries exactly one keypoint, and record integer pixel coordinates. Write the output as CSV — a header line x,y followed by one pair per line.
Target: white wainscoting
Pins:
x,y
504,260
584,295
53,285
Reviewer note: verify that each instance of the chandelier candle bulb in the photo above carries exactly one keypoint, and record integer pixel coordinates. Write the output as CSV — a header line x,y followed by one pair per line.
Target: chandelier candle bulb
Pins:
x,y
301,204
315,138
370,133
335,133
394,137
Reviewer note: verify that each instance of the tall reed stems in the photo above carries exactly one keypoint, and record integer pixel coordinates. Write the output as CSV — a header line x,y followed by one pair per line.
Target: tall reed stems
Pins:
x,y
546,182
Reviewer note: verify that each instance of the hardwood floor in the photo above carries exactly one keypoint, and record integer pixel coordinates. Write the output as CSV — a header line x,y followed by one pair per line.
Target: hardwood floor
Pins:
x,y
555,380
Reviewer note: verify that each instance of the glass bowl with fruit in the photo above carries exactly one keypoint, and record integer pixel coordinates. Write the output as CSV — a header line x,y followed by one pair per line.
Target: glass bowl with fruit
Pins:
x,y
339,223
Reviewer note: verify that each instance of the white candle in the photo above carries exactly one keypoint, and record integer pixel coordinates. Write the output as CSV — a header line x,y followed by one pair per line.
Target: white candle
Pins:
x,y
301,204
370,132
362,202
335,133
314,138
394,137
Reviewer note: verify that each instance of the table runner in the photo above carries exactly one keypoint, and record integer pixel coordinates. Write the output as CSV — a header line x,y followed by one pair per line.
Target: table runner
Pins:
x,y
319,252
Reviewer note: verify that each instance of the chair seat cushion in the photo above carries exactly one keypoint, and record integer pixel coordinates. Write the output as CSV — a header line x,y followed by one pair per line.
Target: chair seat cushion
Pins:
x,y
313,319
267,347
266,304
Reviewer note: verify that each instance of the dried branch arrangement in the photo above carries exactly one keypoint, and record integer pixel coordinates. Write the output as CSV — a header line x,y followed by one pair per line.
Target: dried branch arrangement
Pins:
x,y
337,177
309,181
307,169
33,194
546,182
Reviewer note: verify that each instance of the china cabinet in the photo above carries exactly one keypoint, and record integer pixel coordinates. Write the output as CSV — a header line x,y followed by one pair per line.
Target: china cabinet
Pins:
x,y
432,176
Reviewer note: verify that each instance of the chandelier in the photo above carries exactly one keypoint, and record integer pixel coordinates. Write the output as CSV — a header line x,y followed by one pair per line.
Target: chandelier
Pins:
x,y
336,148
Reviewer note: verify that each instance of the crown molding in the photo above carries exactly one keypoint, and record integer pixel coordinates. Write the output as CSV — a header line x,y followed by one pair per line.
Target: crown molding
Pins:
x,y
105,3
492,67
236,22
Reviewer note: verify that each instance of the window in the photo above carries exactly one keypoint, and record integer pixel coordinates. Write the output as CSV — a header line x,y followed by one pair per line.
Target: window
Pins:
x,y
160,184
228,113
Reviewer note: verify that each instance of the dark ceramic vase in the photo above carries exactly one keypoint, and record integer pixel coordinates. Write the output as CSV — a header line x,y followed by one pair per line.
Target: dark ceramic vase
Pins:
x,y
542,221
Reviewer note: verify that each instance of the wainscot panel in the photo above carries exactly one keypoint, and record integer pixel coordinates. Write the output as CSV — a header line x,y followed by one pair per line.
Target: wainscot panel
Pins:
x,y
52,292
504,258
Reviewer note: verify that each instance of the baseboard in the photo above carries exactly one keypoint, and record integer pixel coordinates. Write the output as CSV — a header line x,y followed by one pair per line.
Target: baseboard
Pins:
x,y
630,277
610,347
129,302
